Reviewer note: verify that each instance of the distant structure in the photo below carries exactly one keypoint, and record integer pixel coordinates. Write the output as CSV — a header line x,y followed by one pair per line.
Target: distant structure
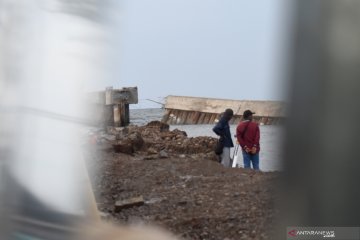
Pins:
x,y
111,107
194,110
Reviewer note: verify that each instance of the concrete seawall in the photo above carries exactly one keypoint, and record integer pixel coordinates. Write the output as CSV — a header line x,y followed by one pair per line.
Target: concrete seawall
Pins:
x,y
193,110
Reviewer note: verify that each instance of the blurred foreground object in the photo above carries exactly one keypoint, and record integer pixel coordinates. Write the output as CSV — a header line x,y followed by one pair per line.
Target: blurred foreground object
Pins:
x,y
322,142
49,50
45,190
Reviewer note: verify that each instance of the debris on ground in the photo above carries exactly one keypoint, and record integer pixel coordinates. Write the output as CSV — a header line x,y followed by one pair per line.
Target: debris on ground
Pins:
x,y
176,182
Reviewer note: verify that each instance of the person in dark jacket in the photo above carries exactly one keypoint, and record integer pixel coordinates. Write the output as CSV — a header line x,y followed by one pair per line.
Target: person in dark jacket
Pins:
x,y
248,136
222,129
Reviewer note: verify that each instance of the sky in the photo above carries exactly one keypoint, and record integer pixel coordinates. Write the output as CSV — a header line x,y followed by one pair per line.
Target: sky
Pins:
x,y
233,49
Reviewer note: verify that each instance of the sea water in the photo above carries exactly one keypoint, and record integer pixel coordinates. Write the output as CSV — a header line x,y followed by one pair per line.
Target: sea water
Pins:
x,y
270,136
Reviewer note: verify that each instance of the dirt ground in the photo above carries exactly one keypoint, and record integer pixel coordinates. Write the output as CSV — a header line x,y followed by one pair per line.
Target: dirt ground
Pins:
x,y
185,190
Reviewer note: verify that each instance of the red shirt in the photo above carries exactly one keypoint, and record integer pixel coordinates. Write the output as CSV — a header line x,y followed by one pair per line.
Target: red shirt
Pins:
x,y
251,137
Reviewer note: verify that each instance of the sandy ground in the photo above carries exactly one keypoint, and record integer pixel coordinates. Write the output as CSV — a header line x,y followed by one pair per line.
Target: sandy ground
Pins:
x,y
186,192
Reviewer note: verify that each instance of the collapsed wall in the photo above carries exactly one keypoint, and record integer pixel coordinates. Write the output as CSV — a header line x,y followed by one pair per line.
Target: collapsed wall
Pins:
x,y
194,110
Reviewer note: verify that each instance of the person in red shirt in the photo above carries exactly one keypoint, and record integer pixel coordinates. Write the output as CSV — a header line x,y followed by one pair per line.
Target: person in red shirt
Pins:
x,y
248,136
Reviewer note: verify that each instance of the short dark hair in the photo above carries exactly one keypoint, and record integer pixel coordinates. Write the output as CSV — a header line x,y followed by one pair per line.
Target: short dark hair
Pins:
x,y
247,114
228,114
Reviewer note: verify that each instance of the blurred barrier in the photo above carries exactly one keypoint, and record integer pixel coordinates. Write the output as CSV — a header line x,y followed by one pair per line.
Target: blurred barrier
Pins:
x,y
49,50
320,187
45,190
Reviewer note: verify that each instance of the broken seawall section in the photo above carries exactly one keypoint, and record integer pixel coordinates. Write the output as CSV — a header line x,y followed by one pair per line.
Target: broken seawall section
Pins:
x,y
197,110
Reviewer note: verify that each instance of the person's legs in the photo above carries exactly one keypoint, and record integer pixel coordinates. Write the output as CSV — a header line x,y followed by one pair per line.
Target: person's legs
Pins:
x,y
255,161
225,157
246,158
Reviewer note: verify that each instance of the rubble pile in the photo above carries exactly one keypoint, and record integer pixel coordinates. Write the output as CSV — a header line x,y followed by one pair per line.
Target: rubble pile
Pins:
x,y
156,138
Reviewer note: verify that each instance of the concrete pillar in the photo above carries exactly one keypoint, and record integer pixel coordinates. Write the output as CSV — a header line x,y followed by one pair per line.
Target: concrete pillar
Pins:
x,y
121,115
117,115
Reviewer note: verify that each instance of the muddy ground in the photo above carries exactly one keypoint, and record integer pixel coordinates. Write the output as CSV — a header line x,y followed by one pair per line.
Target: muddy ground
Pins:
x,y
184,188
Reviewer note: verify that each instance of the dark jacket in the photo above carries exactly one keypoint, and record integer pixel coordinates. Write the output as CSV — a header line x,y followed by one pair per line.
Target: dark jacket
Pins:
x,y
222,129
251,137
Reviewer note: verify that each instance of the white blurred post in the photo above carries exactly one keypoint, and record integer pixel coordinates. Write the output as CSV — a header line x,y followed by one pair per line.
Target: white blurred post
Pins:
x,y
47,56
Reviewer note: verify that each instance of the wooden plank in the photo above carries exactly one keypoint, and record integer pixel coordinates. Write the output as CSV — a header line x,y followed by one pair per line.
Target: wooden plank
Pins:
x,y
190,117
213,117
196,117
207,118
182,117
201,118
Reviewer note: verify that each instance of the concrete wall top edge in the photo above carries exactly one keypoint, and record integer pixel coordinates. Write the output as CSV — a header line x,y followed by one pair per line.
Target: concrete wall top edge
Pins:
x,y
213,105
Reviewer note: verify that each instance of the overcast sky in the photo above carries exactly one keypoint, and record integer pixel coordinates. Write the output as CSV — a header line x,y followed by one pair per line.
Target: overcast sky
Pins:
x,y
233,49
